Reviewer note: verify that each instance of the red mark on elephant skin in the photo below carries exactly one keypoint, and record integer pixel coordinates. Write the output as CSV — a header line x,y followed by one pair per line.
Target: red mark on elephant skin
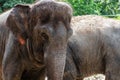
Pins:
x,y
21,40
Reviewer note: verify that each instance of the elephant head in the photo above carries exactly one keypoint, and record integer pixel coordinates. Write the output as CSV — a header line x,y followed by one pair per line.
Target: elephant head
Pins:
x,y
47,25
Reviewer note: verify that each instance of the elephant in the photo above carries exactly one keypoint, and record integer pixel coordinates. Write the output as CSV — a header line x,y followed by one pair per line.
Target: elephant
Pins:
x,y
33,40
94,48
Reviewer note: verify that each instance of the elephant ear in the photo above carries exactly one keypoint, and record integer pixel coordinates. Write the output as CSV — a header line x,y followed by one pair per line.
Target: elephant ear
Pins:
x,y
18,21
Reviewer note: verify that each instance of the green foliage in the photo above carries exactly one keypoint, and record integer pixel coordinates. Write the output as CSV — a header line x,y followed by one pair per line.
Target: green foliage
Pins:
x,y
118,17
99,7
6,4
0,10
81,7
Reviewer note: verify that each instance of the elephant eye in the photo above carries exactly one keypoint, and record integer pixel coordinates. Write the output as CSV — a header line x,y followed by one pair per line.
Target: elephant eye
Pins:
x,y
44,36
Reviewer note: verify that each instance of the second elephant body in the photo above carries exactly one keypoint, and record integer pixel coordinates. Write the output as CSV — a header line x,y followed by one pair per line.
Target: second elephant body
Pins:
x,y
94,48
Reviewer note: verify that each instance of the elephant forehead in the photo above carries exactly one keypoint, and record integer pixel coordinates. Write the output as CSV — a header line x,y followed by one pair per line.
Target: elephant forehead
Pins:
x,y
53,9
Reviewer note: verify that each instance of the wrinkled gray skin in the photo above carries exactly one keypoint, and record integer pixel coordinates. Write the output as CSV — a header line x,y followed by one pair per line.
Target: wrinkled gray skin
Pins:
x,y
94,48
33,38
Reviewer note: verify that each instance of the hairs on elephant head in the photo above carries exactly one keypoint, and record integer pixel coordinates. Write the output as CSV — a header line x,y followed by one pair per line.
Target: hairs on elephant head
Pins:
x,y
23,18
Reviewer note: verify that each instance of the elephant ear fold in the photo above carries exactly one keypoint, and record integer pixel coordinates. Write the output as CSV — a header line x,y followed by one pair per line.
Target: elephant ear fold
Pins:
x,y
17,22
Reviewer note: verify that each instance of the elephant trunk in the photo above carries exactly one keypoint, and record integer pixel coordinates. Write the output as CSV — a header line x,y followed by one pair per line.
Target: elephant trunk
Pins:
x,y
55,55
56,62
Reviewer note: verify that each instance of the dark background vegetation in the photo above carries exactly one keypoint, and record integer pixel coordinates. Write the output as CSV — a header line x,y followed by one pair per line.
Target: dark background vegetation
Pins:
x,y
110,8
7,4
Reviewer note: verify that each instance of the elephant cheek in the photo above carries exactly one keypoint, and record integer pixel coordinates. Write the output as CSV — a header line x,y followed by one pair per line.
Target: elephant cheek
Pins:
x,y
55,62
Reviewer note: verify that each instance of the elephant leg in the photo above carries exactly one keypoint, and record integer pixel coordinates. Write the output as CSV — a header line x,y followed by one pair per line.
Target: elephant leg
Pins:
x,y
12,71
69,76
112,76
112,71
71,71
